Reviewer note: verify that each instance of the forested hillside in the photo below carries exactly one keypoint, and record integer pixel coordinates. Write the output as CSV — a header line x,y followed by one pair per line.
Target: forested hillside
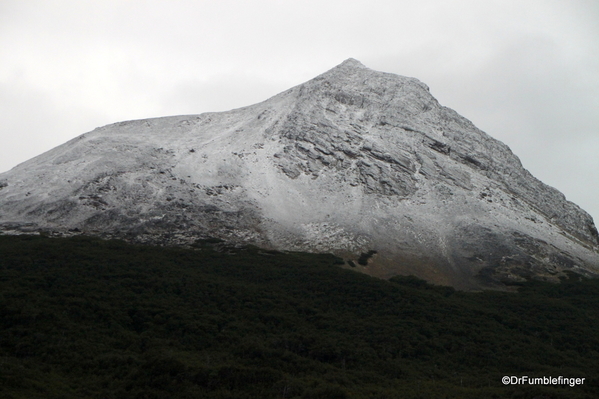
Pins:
x,y
85,318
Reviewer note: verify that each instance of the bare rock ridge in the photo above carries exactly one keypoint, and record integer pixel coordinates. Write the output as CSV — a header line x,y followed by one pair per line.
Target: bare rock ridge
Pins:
x,y
360,163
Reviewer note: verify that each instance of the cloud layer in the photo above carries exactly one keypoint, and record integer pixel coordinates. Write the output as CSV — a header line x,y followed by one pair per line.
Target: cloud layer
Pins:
x,y
524,72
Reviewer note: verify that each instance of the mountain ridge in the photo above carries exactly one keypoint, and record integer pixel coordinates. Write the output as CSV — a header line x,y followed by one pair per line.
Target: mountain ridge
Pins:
x,y
351,161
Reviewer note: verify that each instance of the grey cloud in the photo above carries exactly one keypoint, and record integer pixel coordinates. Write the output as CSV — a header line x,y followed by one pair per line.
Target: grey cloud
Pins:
x,y
34,122
525,72
219,93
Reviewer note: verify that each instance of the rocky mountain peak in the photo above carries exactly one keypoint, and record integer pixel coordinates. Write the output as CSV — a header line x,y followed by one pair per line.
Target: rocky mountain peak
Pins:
x,y
361,163
351,75
347,68
350,63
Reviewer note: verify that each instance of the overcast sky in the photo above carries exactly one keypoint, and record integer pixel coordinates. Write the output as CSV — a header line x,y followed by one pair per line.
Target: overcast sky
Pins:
x,y
525,72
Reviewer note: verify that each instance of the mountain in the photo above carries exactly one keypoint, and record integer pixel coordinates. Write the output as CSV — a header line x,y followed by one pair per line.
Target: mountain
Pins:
x,y
361,163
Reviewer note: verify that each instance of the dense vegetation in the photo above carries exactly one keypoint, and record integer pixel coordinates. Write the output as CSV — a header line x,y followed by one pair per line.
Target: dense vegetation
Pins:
x,y
86,318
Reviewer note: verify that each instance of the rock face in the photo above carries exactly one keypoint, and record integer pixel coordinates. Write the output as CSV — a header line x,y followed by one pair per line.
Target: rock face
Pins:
x,y
353,161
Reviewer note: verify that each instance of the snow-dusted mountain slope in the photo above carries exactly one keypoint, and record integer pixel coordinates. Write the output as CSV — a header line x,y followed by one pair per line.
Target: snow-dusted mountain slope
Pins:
x,y
351,161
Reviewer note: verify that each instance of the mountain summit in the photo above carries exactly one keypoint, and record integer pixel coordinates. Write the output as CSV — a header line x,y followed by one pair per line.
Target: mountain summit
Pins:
x,y
357,162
